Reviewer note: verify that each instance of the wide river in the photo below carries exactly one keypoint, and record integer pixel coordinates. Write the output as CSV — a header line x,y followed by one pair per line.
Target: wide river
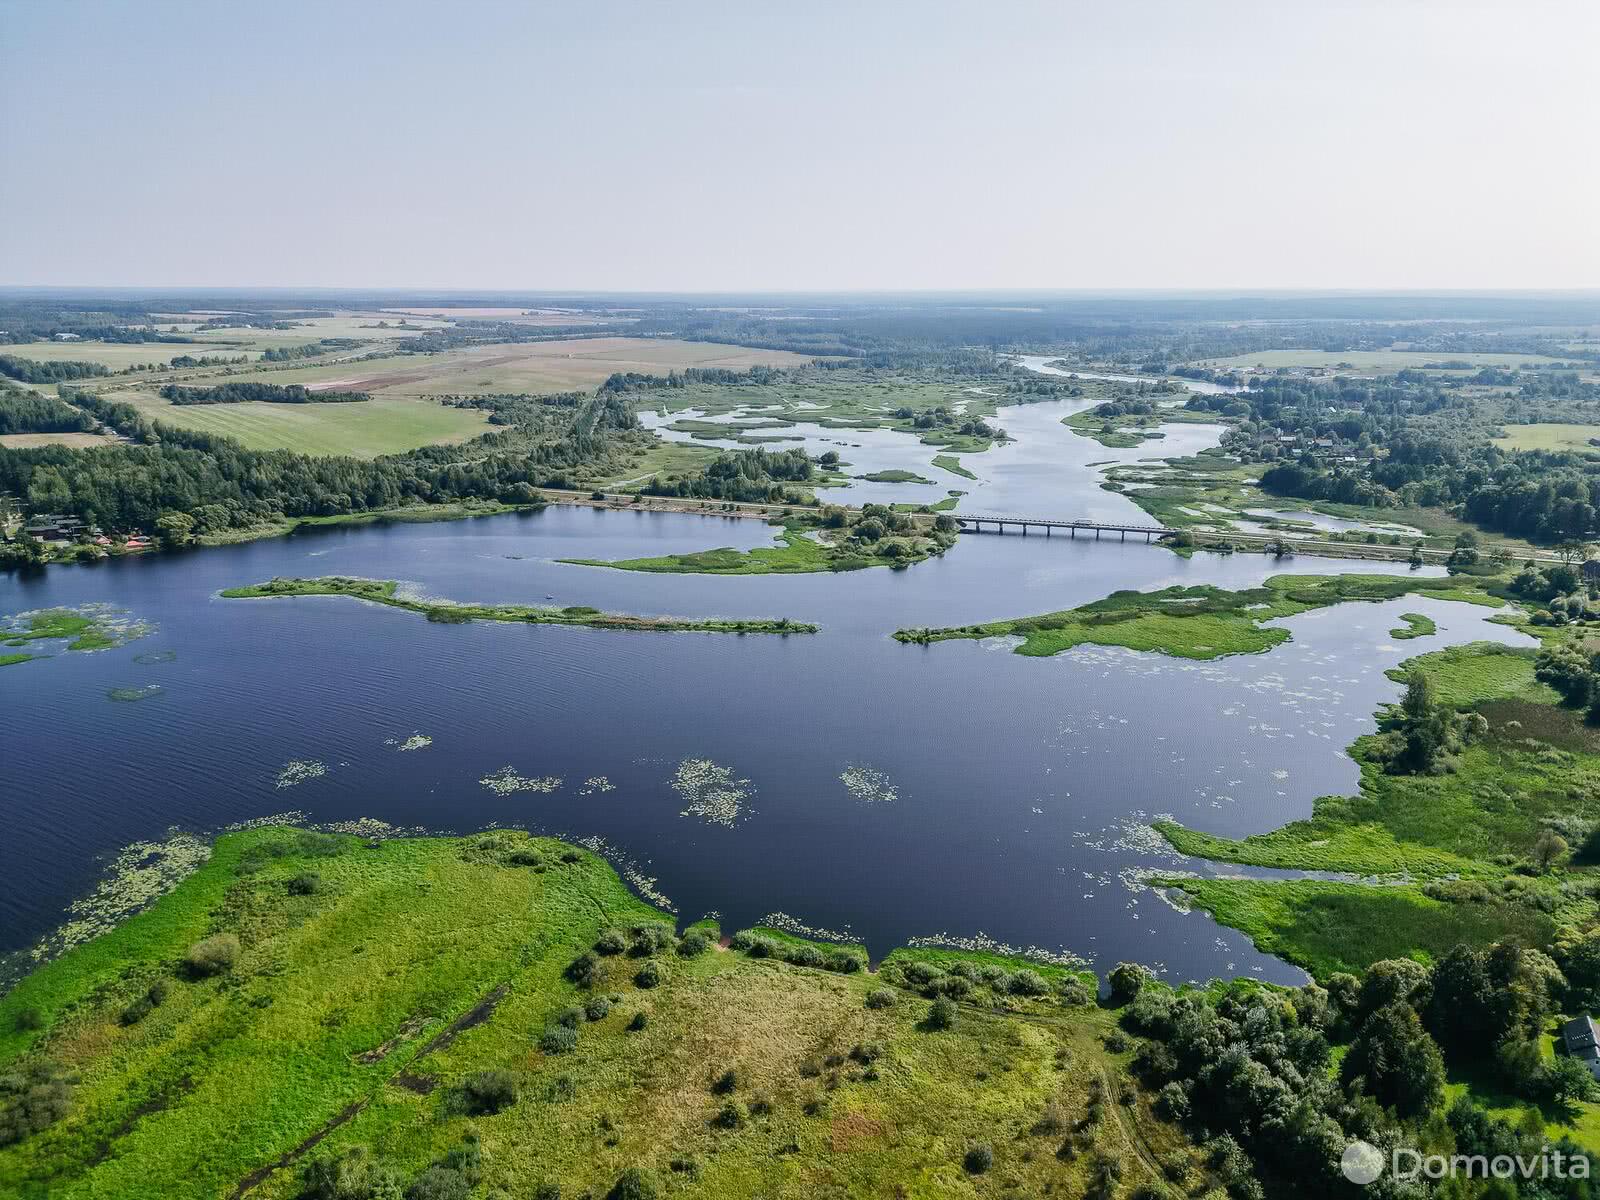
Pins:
x,y
852,783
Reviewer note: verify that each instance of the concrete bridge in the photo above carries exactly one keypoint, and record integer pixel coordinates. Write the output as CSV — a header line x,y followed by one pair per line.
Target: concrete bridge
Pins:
x,y
974,523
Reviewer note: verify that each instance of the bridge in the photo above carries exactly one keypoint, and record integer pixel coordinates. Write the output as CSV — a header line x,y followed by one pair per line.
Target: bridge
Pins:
x,y
974,523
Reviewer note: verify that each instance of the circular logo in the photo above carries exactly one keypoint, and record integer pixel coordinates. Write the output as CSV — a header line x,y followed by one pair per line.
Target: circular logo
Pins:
x,y
1361,1162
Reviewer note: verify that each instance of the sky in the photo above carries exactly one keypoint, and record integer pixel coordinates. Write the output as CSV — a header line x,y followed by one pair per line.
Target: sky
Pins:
x,y
869,144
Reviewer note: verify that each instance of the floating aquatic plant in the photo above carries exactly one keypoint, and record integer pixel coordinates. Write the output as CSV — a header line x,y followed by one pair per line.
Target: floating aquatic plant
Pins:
x,y
868,785
783,921
299,770
136,877
505,781
710,791
596,783
644,884
155,656
128,694
982,942
417,741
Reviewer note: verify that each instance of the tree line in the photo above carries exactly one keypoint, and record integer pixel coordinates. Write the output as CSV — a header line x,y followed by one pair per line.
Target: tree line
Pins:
x,y
27,370
241,391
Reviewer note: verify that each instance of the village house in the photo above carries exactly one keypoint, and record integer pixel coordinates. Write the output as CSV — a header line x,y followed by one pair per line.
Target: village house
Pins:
x,y
1582,1041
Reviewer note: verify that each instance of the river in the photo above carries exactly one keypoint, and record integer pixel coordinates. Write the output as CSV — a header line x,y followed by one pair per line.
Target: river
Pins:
x,y
853,783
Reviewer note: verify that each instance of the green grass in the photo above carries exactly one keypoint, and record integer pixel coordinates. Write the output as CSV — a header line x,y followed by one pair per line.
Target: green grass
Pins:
x,y
949,462
1465,676
1197,622
382,425
338,1000
1550,436
1328,927
87,632
383,591
1416,625
10,660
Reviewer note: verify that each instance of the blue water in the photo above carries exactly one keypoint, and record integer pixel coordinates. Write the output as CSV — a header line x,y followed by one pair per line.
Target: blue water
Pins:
x,y
1020,783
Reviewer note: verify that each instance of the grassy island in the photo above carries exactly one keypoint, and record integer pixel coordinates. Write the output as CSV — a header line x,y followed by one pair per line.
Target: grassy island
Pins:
x,y
834,540
503,1008
384,591
894,476
1416,625
1198,622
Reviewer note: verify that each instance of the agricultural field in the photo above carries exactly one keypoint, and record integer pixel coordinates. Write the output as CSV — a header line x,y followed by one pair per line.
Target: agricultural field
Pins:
x,y
382,425
1550,437
117,356
31,441
535,367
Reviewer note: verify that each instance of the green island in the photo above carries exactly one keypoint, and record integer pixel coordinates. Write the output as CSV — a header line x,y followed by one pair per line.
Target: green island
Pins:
x,y
949,462
1416,625
94,627
835,539
384,591
1199,622
894,476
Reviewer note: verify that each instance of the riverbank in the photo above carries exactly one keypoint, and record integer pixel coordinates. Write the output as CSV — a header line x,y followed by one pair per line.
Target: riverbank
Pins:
x,y
1198,622
1495,844
384,591
302,994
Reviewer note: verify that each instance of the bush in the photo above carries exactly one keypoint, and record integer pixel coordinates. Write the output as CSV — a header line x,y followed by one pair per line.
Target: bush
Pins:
x,y
881,998
570,1017
941,1014
596,1009
1127,980
307,883
978,1159
1027,983
640,1020
1075,992
730,1116
486,1092
805,956
1052,1121
726,1083
28,1020
32,1099
611,941
919,974
649,975
145,1004
525,856
352,1175
439,1183
633,1184
547,1191
212,955
650,939
584,970
843,962
559,1039
756,945
694,943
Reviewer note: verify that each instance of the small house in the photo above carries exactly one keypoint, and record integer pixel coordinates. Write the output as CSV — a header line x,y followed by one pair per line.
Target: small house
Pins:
x,y
1581,1040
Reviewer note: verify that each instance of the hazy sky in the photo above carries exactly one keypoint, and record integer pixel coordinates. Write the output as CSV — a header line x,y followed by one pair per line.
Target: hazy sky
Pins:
x,y
815,145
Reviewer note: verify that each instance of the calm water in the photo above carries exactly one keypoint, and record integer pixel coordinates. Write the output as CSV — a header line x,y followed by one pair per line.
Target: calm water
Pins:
x,y
1018,784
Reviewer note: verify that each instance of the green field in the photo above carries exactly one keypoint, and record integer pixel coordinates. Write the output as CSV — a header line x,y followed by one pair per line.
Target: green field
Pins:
x,y
371,986
382,425
1550,437
118,356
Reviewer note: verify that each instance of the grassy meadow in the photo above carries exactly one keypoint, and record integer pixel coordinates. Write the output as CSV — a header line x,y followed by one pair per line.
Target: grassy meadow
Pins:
x,y
1550,436
1369,361
381,425
417,996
